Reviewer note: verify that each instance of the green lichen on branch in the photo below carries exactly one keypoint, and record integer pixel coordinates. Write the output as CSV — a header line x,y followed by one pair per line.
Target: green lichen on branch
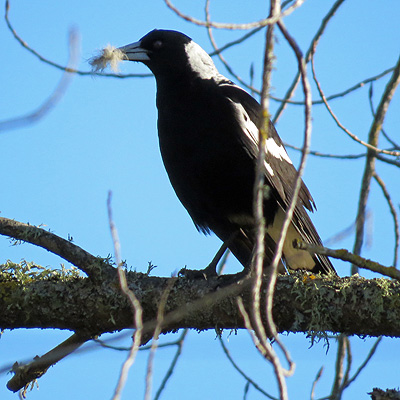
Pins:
x,y
25,272
92,266
302,303
351,305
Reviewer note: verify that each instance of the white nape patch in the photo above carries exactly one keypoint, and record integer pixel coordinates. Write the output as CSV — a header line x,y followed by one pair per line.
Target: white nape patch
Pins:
x,y
200,62
109,56
276,150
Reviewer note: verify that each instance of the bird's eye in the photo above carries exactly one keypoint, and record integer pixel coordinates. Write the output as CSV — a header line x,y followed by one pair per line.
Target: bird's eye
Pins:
x,y
157,44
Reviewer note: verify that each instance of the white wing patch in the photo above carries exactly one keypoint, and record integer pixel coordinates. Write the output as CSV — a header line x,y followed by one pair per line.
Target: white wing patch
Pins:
x,y
276,150
250,129
269,168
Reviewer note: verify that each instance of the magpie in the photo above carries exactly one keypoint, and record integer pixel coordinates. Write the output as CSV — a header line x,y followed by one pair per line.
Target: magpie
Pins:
x,y
208,137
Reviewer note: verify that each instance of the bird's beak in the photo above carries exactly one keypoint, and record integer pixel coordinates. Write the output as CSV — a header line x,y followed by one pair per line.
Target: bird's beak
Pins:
x,y
134,52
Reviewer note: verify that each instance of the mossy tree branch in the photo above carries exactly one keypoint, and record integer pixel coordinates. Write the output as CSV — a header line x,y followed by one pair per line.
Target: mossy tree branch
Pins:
x,y
91,265
35,297
351,305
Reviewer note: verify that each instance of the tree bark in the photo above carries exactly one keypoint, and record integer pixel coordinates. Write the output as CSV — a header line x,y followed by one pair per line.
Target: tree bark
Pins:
x,y
302,303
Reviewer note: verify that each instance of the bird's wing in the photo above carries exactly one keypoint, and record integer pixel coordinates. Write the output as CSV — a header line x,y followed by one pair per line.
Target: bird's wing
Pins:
x,y
280,172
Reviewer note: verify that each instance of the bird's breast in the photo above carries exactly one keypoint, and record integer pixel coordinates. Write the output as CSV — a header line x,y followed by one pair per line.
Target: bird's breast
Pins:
x,y
209,170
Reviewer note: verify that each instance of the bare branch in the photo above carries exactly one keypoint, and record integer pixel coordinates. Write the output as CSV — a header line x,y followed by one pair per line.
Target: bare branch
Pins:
x,y
157,332
345,255
220,25
134,302
324,155
388,161
373,137
365,362
351,305
314,41
370,95
258,192
394,215
340,374
94,267
55,97
241,372
26,373
218,51
68,68
343,93
298,181
368,145
168,374
340,356
317,378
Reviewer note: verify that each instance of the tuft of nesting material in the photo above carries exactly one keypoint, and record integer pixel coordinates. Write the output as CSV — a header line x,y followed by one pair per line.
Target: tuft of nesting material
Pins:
x,y
109,56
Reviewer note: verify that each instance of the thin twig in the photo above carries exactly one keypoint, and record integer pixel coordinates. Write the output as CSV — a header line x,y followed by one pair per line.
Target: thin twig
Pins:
x,y
221,25
345,156
105,344
315,40
241,372
136,306
388,161
67,68
324,155
261,347
218,51
368,144
349,360
265,349
345,255
371,105
26,373
258,261
340,357
174,361
297,184
157,331
343,93
394,215
56,95
373,137
365,362
258,190
317,378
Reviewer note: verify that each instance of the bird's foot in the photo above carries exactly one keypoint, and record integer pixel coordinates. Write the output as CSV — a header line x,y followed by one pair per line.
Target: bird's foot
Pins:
x,y
210,271
206,273
230,279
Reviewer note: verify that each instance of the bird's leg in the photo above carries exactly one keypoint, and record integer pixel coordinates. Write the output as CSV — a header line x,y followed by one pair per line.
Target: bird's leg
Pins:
x,y
211,269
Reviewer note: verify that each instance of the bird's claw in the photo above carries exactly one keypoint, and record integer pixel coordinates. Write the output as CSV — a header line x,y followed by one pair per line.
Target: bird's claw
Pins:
x,y
205,273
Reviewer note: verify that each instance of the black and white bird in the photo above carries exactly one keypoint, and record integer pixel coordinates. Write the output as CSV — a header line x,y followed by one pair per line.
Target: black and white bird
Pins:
x,y
207,128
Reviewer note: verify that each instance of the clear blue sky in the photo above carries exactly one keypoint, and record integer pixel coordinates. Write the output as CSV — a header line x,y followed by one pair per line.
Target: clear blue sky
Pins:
x,y
102,136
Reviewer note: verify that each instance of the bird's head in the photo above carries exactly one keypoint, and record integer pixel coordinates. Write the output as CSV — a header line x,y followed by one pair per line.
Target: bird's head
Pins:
x,y
171,54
